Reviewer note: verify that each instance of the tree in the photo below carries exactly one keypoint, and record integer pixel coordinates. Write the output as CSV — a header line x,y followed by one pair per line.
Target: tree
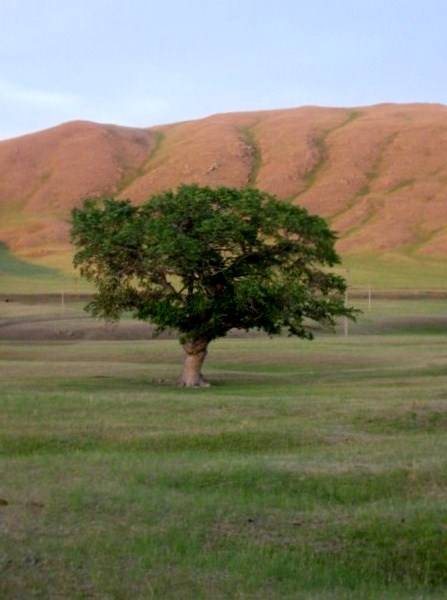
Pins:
x,y
204,261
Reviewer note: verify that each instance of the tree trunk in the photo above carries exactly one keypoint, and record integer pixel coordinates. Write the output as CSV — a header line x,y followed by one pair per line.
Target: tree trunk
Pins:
x,y
195,353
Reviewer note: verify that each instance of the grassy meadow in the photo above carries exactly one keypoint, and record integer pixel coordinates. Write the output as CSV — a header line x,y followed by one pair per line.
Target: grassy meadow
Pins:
x,y
309,470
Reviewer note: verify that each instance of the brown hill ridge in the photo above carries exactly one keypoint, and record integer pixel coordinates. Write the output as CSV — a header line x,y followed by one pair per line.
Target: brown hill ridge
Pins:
x,y
378,174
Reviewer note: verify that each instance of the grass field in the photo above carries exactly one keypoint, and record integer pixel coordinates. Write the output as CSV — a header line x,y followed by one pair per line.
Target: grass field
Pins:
x,y
309,470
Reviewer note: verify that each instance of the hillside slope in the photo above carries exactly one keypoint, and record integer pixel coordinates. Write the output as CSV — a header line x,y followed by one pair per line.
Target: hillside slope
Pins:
x,y
378,174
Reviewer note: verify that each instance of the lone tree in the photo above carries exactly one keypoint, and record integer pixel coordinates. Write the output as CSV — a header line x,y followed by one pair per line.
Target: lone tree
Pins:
x,y
203,261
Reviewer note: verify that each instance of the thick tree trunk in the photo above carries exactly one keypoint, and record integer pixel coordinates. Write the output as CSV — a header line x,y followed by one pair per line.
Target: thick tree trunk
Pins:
x,y
195,353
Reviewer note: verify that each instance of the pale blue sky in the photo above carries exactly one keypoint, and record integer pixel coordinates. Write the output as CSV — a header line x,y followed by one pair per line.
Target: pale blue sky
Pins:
x,y
149,62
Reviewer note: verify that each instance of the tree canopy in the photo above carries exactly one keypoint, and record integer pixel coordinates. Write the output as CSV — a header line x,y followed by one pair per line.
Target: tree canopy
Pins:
x,y
203,261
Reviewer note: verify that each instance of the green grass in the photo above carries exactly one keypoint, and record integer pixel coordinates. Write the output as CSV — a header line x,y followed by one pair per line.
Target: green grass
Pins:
x,y
12,265
309,470
395,271
19,276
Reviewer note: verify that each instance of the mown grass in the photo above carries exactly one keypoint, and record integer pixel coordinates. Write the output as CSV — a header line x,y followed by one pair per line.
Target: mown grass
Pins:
x,y
308,470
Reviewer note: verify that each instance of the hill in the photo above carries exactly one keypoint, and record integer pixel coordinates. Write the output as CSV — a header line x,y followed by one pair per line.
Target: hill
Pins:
x,y
378,174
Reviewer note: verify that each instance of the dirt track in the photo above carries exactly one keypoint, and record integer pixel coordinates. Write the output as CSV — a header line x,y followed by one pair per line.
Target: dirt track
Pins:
x,y
43,317
29,318
67,328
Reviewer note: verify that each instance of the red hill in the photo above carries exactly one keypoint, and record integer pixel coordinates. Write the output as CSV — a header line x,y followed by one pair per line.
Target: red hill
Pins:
x,y
378,174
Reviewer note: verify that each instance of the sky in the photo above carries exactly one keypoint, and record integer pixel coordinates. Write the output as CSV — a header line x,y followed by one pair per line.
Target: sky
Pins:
x,y
142,63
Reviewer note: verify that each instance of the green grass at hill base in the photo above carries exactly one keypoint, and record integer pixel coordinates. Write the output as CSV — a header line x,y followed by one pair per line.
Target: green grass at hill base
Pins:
x,y
20,276
394,271
380,271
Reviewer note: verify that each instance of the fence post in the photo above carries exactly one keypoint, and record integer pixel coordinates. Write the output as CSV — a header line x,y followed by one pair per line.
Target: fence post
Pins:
x,y
346,318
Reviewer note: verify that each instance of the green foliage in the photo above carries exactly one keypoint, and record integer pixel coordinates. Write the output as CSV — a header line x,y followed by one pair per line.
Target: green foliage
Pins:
x,y
203,261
